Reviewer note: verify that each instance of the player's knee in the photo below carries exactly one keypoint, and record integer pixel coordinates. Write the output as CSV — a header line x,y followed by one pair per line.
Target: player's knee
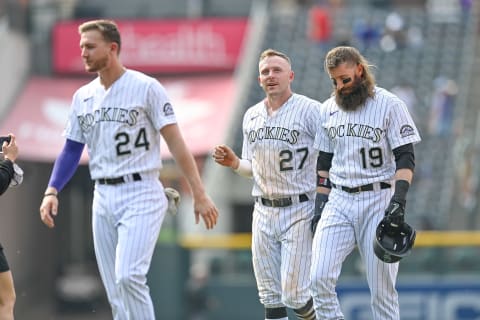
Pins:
x,y
129,280
317,281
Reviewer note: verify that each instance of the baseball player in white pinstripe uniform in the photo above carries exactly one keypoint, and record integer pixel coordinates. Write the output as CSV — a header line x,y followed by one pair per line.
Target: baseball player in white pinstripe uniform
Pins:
x,y
278,136
120,116
365,168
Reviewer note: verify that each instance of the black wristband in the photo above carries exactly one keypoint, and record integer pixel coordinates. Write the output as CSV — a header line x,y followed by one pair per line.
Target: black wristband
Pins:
x,y
401,189
324,182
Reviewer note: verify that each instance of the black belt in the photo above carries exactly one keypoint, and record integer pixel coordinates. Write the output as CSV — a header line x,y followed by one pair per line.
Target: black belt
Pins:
x,y
135,176
282,202
367,187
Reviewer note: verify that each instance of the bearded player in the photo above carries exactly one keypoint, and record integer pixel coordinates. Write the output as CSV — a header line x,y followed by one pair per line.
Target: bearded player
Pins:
x,y
365,168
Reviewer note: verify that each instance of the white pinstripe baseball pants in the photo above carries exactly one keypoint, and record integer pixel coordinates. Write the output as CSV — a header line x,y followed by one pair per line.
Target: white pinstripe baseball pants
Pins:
x,y
126,223
281,253
350,220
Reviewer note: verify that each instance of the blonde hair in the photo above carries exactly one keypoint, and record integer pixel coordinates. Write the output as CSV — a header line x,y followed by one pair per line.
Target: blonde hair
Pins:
x,y
107,28
274,53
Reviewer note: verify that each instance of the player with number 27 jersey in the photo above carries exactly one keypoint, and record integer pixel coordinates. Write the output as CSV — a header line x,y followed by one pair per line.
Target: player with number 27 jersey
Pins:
x,y
132,118
280,147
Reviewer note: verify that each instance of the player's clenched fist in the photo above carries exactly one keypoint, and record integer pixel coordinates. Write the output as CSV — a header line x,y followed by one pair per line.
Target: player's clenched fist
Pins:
x,y
225,156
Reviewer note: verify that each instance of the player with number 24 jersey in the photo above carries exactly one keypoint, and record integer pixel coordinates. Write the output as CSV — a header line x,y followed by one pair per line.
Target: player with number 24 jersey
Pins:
x,y
132,118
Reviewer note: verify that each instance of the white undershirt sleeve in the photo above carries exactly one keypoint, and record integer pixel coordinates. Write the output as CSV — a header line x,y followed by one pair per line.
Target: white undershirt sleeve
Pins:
x,y
244,168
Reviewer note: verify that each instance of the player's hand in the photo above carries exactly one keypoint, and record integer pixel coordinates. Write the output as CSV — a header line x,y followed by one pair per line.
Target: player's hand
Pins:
x,y
205,208
10,149
395,213
320,201
48,210
225,156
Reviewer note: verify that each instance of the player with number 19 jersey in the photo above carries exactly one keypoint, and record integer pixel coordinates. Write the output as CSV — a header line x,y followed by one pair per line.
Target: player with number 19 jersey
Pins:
x,y
131,112
362,141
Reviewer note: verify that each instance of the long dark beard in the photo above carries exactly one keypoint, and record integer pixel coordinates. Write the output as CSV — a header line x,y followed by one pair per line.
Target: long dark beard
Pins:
x,y
356,96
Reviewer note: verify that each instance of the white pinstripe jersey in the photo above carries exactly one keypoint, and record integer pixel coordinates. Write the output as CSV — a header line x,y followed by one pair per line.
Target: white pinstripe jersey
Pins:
x,y
120,125
362,140
281,147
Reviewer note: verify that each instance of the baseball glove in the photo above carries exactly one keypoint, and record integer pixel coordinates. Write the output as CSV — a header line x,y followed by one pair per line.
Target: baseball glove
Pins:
x,y
173,197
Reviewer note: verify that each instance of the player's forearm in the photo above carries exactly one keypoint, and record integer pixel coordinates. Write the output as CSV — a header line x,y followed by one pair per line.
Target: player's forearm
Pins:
x,y
187,165
404,174
183,157
190,172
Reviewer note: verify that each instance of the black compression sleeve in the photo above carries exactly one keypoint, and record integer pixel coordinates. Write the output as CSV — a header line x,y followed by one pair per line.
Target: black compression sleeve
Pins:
x,y
404,157
324,161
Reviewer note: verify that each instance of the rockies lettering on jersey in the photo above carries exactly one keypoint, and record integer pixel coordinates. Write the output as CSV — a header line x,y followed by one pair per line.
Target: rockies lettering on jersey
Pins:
x,y
274,133
108,114
356,130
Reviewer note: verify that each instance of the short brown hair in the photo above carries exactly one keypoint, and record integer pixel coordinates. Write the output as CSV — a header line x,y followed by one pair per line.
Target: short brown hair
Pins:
x,y
107,28
272,53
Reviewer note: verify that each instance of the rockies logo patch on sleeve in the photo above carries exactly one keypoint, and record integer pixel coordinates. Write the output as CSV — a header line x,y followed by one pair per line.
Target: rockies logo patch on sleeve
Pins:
x,y
406,130
168,109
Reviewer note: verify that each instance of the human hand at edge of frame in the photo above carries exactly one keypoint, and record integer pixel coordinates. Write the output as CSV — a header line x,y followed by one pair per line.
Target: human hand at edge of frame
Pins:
x,y
320,200
204,207
10,149
49,209
224,155
395,213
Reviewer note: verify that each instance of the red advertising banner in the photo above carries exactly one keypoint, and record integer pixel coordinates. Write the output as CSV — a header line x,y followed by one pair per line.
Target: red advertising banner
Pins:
x,y
160,46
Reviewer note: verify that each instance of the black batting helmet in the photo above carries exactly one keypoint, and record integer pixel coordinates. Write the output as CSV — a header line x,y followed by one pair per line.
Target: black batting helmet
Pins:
x,y
393,243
